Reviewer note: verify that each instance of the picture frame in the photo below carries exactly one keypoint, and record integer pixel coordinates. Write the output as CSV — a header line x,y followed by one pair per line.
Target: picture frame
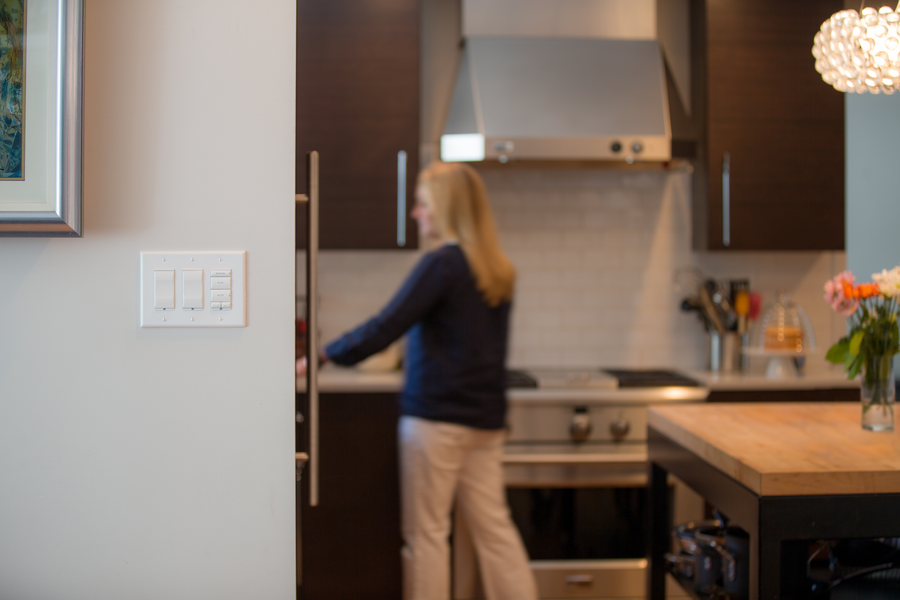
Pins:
x,y
41,109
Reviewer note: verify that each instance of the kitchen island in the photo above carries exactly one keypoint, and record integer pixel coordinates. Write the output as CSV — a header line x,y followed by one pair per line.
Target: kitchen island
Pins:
x,y
785,472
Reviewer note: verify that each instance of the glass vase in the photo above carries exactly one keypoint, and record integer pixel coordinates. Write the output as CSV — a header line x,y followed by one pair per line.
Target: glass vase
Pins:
x,y
877,393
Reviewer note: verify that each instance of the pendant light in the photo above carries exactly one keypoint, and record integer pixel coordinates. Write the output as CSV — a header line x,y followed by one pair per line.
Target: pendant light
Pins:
x,y
860,53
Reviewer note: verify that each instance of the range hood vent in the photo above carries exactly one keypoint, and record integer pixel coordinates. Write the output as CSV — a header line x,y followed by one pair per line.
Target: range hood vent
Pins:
x,y
559,99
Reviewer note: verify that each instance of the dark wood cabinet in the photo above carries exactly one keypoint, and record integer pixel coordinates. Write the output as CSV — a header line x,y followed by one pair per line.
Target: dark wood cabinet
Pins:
x,y
822,395
358,106
350,543
766,117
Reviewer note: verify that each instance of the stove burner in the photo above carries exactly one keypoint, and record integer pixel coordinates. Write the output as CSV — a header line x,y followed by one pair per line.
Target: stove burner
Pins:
x,y
519,379
632,378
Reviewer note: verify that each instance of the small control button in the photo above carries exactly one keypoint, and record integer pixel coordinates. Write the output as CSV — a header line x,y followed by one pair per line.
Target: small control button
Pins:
x,y
221,283
637,147
220,296
220,273
215,305
226,306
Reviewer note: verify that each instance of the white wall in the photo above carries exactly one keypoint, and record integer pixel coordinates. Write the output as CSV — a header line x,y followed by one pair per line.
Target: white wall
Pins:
x,y
873,197
151,463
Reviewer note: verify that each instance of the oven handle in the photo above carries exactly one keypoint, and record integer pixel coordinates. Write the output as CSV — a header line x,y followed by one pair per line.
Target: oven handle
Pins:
x,y
636,458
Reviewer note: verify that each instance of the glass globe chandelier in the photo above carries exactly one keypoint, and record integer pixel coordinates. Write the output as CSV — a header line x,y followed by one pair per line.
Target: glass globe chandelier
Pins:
x,y
860,53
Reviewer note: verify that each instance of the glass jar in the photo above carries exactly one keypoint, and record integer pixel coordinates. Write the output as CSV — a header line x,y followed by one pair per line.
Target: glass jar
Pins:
x,y
783,333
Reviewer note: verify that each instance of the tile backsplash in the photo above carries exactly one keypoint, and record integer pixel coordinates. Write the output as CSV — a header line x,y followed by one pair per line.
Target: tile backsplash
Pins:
x,y
604,259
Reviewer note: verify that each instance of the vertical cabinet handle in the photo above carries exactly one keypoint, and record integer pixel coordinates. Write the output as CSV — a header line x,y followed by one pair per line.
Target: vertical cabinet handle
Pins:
x,y
401,198
312,319
726,199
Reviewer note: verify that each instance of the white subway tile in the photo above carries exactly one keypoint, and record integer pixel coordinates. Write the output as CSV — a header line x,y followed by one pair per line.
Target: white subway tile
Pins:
x,y
596,253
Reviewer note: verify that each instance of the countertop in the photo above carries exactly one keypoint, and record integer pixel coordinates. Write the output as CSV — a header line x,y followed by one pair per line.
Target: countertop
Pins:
x,y
787,449
827,380
340,379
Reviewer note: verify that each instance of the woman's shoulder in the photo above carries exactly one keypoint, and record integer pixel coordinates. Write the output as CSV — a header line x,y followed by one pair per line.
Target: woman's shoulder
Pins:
x,y
445,261
448,251
450,256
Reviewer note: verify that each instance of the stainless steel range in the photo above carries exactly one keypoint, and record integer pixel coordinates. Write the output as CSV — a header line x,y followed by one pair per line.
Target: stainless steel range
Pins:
x,y
575,465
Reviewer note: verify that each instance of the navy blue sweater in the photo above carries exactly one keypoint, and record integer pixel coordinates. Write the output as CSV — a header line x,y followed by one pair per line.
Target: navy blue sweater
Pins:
x,y
456,348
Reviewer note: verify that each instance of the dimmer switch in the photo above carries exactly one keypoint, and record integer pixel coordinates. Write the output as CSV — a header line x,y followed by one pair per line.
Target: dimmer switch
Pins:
x,y
164,289
193,289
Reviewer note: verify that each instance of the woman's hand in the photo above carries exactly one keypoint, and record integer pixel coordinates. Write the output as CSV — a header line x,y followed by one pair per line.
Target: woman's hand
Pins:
x,y
302,364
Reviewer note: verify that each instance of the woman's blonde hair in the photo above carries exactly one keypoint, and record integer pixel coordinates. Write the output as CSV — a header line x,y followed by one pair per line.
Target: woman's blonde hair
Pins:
x,y
462,214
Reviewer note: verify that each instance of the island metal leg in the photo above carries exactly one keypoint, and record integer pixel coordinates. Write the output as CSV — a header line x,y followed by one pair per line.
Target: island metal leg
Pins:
x,y
660,522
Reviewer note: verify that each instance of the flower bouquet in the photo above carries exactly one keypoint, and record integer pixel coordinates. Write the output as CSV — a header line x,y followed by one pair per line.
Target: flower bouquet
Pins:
x,y
872,341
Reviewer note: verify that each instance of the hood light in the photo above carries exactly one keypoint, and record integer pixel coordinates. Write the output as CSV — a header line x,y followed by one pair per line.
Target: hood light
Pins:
x,y
462,147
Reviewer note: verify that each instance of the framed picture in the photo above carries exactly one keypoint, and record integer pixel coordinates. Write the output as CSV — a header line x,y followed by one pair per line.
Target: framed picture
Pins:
x,y
41,56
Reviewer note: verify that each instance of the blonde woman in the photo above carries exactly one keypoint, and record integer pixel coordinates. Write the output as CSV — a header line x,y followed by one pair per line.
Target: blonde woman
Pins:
x,y
454,307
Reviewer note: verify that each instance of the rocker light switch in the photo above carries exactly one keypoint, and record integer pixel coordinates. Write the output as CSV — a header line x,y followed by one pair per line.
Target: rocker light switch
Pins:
x,y
164,289
193,289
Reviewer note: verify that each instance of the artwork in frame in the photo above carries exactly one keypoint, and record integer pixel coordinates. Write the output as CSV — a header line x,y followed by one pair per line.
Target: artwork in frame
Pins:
x,y
12,88
41,65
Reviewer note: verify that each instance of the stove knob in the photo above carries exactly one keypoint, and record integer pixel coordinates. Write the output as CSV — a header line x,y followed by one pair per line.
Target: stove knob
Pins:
x,y
580,428
619,428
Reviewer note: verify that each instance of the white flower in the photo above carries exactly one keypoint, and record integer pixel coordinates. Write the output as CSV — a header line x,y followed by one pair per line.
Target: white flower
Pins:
x,y
888,282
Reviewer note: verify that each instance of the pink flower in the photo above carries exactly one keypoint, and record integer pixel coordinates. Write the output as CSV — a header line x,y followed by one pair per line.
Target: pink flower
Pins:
x,y
836,296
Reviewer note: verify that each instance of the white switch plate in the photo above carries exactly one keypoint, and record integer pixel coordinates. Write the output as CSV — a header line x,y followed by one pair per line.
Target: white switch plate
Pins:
x,y
206,317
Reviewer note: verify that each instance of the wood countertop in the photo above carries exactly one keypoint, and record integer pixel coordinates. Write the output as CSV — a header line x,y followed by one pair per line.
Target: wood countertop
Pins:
x,y
787,449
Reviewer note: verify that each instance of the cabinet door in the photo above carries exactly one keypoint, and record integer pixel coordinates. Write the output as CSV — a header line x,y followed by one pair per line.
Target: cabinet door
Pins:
x,y
358,106
780,124
351,541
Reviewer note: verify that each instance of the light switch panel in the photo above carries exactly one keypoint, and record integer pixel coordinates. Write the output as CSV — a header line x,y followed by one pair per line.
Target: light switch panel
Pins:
x,y
189,277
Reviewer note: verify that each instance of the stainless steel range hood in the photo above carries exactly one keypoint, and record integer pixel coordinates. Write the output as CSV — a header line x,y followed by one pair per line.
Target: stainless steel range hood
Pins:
x,y
559,96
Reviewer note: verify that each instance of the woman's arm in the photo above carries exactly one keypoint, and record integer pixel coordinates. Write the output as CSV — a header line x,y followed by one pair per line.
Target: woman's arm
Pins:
x,y
418,295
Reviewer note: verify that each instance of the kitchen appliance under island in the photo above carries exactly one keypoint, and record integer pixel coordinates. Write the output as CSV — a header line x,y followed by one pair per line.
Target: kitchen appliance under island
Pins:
x,y
575,466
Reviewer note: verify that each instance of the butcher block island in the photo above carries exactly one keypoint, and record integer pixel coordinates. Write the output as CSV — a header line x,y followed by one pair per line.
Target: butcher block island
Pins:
x,y
787,473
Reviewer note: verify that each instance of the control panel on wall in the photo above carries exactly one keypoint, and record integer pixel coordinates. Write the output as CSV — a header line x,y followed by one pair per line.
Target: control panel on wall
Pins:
x,y
193,289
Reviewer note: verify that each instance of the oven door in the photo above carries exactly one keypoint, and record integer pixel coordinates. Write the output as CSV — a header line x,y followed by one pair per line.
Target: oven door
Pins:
x,y
581,511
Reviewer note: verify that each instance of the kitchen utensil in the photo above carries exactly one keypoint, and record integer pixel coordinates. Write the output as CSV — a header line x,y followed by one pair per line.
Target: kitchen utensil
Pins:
x,y
694,304
742,309
711,311
736,570
707,568
682,563
733,546
721,303
698,553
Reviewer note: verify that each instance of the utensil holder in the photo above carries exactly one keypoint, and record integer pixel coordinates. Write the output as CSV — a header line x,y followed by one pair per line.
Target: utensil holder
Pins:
x,y
724,352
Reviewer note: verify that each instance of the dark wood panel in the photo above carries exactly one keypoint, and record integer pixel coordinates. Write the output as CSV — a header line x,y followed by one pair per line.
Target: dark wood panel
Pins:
x,y
762,102
358,105
831,395
351,541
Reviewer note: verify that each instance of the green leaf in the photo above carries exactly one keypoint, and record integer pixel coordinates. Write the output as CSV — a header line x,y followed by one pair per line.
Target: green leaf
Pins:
x,y
855,342
855,366
838,353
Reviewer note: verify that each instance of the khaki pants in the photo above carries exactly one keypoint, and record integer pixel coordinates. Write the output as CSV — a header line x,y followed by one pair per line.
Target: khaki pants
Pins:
x,y
440,462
